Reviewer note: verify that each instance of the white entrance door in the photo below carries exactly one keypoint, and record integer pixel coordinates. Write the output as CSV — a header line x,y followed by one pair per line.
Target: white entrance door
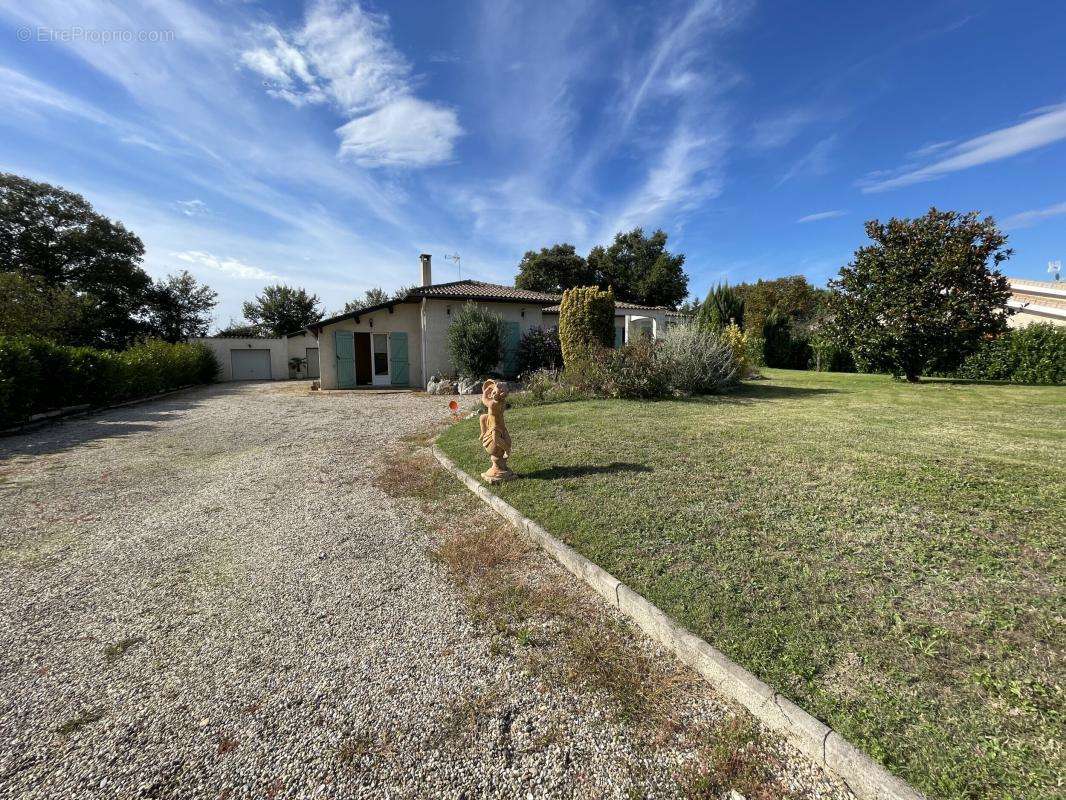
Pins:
x,y
380,360
250,365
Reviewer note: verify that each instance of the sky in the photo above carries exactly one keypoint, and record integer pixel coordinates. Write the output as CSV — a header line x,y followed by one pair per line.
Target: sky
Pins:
x,y
325,144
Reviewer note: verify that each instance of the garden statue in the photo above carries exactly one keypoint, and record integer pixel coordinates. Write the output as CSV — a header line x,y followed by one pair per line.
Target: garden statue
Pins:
x,y
494,436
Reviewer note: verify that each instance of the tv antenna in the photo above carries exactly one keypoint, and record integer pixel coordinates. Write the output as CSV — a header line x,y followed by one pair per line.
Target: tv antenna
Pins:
x,y
1054,267
458,270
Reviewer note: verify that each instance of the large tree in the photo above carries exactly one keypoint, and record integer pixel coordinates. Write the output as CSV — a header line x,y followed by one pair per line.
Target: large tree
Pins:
x,y
924,294
30,306
180,308
281,310
55,237
640,269
791,296
553,269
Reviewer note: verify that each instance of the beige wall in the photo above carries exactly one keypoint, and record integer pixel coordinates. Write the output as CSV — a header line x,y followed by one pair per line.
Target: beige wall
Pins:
x,y
405,318
222,348
1027,317
297,346
437,319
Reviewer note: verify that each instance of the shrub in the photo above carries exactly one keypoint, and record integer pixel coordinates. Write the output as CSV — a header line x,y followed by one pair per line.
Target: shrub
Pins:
x,y
1034,354
696,360
586,320
475,341
782,345
37,375
539,350
722,306
547,386
742,346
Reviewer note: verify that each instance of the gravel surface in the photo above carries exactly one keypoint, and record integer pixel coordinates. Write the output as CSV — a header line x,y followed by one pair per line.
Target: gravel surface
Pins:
x,y
209,596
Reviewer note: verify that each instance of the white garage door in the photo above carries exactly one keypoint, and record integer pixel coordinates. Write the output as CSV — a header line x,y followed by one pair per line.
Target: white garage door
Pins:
x,y
251,365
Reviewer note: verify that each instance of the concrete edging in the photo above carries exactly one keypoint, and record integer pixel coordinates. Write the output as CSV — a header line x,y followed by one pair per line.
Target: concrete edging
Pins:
x,y
864,776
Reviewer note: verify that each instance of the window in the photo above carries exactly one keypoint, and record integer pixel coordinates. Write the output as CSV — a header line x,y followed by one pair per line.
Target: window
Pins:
x,y
381,354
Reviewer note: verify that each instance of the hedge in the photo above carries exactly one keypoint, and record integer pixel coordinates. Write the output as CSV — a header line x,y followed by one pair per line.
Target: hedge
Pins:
x,y
1033,354
37,375
586,319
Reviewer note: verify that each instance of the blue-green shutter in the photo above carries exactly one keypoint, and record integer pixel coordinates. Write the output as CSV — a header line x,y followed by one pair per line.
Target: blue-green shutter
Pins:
x,y
619,336
344,344
512,334
399,360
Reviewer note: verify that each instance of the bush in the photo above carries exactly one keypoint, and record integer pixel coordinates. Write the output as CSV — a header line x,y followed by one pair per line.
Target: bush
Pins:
x,y
547,386
696,360
746,349
586,321
722,306
539,350
37,375
1035,354
782,346
475,341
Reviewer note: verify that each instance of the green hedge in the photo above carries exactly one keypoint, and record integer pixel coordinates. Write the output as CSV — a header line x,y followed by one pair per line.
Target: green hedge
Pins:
x,y
37,375
1034,354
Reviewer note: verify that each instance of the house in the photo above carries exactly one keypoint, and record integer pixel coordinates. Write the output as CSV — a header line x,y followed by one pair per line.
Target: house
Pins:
x,y
1036,301
404,342
256,359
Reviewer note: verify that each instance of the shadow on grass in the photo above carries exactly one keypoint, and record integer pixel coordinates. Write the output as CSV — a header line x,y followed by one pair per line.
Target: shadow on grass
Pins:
x,y
752,392
556,472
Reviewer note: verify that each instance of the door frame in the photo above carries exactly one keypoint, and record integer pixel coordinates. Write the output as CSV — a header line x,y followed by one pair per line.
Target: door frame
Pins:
x,y
386,379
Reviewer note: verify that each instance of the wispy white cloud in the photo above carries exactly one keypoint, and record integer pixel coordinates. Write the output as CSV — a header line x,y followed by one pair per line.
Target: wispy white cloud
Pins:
x,y
342,56
227,266
192,208
1037,131
683,175
822,215
814,162
779,130
1025,219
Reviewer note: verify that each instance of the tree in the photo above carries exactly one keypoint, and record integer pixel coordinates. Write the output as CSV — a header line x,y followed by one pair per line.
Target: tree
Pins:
x,y
586,319
371,297
475,341
924,294
30,306
53,235
640,269
240,330
281,310
553,269
722,306
180,308
791,296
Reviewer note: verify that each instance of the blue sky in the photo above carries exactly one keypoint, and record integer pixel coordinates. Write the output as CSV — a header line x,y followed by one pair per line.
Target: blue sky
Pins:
x,y
327,144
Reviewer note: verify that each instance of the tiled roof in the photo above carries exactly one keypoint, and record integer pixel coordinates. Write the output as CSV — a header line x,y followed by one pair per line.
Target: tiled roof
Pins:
x,y
479,290
1025,283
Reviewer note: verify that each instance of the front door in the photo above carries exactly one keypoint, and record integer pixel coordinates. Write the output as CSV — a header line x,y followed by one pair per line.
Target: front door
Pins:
x,y
363,372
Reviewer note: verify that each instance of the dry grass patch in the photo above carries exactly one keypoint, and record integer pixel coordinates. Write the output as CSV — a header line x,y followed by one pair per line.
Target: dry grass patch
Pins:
x,y
732,755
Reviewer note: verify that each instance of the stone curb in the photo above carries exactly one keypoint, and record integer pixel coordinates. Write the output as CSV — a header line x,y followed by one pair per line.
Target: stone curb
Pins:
x,y
74,412
864,776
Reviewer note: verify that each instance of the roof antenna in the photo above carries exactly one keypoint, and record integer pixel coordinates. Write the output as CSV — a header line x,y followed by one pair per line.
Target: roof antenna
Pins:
x,y
1054,267
455,257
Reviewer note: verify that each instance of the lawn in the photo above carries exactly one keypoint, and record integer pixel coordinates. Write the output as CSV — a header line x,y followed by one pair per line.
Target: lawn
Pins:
x,y
888,555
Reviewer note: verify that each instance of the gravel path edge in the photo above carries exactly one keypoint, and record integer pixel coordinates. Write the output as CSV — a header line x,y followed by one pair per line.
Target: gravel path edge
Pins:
x,y
866,778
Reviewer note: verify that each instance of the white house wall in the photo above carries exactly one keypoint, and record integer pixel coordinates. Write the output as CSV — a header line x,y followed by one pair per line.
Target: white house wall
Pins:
x,y
438,318
403,319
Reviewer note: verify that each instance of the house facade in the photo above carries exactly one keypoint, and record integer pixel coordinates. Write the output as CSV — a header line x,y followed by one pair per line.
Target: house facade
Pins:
x,y
1036,301
263,359
404,342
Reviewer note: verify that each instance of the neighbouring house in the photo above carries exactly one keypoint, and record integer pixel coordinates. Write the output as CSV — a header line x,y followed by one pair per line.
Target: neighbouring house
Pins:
x,y
255,359
1036,301
404,342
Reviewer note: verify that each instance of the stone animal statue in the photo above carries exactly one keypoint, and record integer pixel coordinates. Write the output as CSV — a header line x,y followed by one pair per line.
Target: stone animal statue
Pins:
x,y
494,436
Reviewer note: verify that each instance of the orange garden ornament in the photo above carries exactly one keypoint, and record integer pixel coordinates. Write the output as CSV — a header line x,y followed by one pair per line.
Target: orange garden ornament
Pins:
x,y
494,436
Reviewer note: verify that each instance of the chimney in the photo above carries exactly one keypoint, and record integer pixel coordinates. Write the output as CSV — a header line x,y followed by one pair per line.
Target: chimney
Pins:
x,y
427,269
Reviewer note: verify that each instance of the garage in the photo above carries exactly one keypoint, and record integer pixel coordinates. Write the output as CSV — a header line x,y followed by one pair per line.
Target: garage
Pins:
x,y
250,365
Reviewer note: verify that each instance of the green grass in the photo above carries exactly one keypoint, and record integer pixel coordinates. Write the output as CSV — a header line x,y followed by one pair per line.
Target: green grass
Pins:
x,y
888,555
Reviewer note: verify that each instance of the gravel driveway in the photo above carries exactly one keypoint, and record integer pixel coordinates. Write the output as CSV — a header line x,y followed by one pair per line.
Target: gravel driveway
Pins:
x,y
208,596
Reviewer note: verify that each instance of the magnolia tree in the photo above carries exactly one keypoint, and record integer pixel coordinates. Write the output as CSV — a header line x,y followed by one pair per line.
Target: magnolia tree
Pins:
x,y
924,294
